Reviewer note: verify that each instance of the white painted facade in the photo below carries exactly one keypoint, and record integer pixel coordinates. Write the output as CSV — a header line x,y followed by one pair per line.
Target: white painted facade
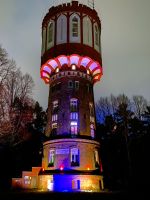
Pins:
x,y
61,36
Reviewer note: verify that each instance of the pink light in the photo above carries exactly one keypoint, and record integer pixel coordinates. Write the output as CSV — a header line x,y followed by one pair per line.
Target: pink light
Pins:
x,y
85,61
61,168
93,66
63,60
49,67
74,59
53,63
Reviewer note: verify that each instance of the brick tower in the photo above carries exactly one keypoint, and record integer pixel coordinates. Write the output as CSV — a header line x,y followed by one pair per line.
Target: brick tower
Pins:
x,y
71,64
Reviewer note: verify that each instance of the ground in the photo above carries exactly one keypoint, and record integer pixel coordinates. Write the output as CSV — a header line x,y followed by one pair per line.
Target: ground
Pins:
x,y
106,195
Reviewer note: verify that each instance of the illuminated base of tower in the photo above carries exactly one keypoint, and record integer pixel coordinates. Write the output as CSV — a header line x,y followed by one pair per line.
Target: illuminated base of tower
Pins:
x,y
70,182
74,168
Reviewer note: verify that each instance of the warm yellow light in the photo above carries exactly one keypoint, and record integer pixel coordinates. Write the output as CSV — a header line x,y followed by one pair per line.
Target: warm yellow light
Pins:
x,y
57,70
88,71
73,67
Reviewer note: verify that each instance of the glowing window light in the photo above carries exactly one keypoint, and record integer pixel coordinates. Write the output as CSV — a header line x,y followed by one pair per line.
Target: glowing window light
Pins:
x,y
54,125
50,185
74,116
57,70
54,117
88,71
73,123
92,130
73,67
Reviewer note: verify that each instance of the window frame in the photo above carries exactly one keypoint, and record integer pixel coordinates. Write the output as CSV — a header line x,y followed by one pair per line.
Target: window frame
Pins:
x,y
51,158
75,27
75,157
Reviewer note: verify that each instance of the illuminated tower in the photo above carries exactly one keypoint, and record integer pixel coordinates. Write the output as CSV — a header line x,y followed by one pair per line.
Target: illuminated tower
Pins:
x,y
71,64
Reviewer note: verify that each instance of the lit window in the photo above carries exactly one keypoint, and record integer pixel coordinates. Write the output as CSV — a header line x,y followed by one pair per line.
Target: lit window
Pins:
x,y
27,180
96,35
74,157
54,129
74,116
54,125
73,67
77,85
92,130
55,106
88,71
96,158
57,70
70,84
50,32
75,27
74,105
54,117
51,158
74,128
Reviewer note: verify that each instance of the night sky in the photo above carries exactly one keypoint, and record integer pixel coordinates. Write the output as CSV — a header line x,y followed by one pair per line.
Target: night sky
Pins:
x,y
125,41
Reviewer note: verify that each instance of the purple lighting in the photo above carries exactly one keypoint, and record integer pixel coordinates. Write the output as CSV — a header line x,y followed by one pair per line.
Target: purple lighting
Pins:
x,y
86,62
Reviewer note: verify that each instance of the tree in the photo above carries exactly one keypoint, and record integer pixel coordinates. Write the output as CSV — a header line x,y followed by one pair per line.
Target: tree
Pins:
x,y
15,99
139,106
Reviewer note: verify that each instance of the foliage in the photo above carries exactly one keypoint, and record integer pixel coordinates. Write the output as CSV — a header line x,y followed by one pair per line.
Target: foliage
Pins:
x,y
16,103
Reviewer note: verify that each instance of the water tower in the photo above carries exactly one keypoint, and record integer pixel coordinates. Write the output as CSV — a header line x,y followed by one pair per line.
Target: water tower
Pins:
x,y
71,64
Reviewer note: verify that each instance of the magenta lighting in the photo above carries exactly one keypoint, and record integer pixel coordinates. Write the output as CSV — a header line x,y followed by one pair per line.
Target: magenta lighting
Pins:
x,y
52,65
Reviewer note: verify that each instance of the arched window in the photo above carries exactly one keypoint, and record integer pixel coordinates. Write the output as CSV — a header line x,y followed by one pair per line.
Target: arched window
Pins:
x,y
50,32
61,29
75,29
43,39
51,158
74,157
61,33
96,158
96,35
87,31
